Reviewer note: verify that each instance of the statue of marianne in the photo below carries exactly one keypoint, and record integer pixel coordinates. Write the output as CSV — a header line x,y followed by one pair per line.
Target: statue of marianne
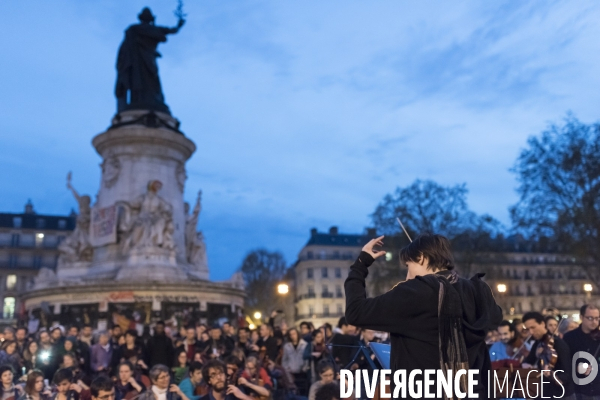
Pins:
x,y
138,85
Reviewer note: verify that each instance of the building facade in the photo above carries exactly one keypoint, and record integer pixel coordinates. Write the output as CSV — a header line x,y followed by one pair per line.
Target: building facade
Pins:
x,y
28,242
319,274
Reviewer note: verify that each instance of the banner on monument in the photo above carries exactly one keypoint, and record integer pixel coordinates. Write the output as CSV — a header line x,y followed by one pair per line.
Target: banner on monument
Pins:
x,y
103,227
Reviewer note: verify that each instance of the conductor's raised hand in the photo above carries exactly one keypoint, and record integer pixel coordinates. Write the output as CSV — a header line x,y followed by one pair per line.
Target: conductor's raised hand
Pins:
x,y
369,247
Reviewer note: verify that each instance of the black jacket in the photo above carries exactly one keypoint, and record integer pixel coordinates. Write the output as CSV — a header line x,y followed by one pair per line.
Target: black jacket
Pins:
x,y
563,363
577,340
409,312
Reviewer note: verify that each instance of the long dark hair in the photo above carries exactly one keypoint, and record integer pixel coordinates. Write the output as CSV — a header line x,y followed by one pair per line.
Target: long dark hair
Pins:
x,y
31,378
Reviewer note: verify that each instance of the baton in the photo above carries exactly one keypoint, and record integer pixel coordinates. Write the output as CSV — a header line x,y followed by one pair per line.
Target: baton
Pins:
x,y
404,229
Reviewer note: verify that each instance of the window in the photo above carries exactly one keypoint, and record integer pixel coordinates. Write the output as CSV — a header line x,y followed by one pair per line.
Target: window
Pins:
x,y
40,223
311,289
324,272
27,240
9,307
62,224
325,289
309,273
325,310
338,272
5,239
11,281
17,221
311,310
339,309
338,291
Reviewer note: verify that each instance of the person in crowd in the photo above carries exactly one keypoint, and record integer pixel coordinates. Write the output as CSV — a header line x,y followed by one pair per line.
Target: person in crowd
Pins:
x,y
102,388
243,341
586,337
8,389
283,383
189,345
47,360
30,356
343,341
326,376
131,351
255,379
10,356
34,387
70,362
9,333
101,355
314,352
217,346
293,360
306,329
126,386
229,334
218,388
234,366
66,389
181,367
22,339
57,337
500,349
115,335
267,343
200,328
160,347
193,386
87,335
330,391
551,324
534,322
161,388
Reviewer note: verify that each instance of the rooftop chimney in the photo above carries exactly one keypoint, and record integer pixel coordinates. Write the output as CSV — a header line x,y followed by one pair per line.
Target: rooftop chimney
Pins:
x,y
333,230
313,231
371,232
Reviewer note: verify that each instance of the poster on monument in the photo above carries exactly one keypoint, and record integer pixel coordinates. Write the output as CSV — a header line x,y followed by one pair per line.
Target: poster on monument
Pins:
x,y
103,227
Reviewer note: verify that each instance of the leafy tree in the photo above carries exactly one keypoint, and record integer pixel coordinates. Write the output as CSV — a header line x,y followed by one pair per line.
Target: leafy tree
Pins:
x,y
426,206
559,188
262,271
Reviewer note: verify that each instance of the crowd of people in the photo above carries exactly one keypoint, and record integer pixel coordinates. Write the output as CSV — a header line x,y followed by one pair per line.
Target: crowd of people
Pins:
x,y
197,362
545,341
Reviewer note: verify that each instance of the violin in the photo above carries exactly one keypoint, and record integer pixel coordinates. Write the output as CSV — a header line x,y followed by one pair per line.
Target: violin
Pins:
x,y
547,355
520,351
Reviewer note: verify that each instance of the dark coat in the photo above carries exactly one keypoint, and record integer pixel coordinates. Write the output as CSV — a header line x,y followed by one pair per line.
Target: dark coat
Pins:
x,y
409,312
577,340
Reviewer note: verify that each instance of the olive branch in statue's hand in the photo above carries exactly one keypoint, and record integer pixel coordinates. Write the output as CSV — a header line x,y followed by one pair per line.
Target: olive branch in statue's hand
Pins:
x,y
180,14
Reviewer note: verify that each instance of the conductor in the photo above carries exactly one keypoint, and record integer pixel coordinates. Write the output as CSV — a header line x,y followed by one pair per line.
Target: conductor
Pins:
x,y
436,319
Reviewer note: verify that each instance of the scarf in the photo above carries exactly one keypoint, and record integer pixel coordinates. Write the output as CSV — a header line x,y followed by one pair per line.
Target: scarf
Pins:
x,y
161,394
452,347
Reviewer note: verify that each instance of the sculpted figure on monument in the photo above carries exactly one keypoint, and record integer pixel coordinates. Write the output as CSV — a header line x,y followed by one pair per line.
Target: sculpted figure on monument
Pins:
x,y
137,71
148,220
194,241
77,247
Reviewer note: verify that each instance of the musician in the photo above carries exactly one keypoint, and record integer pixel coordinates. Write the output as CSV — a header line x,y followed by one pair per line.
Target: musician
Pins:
x,y
539,356
66,389
267,343
218,389
194,383
255,379
127,387
234,368
409,311
500,350
586,338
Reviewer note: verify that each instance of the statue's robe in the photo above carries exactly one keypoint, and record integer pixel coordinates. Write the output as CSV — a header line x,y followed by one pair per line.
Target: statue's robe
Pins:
x,y
137,71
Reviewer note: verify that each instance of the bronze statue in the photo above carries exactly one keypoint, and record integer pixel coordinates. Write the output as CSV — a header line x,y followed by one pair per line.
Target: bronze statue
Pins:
x,y
138,85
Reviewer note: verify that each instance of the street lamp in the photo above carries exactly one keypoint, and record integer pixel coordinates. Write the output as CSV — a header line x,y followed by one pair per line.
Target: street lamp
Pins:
x,y
252,327
501,288
283,288
257,315
587,287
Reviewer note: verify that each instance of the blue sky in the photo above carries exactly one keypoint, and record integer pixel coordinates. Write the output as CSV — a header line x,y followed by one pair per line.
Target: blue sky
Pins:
x,y
305,114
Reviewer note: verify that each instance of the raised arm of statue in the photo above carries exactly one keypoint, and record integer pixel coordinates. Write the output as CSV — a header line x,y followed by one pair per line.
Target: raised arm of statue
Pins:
x,y
72,189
